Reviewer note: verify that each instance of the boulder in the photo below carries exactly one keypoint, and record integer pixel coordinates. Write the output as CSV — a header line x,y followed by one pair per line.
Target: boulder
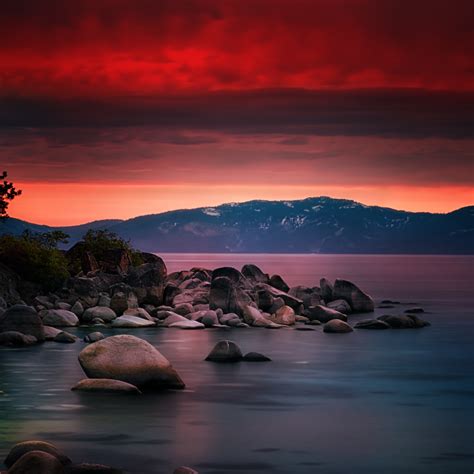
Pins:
x,y
9,281
340,305
254,274
94,337
326,289
37,462
255,357
105,386
127,321
139,313
22,319
285,315
172,318
337,326
60,318
131,360
77,309
50,333
104,300
237,323
225,351
359,301
309,296
277,282
265,300
289,300
208,318
183,309
233,275
102,312
415,310
21,449
323,314
372,324
148,280
87,291
224,294
16,339
403,321
123,300
225,318
187,324
65,337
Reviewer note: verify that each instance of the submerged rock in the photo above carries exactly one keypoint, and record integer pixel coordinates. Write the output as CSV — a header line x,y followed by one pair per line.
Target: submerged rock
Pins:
x,y
94,337
417,309
65,337
372,324
105,386
337,326
403,321
359,301
256,357
131,360
21,449
225,351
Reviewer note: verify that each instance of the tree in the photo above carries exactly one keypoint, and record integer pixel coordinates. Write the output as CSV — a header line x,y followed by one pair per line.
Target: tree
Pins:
x,y
8,192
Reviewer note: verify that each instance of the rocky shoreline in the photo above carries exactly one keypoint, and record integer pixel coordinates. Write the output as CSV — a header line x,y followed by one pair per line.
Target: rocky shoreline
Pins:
x,y
127,296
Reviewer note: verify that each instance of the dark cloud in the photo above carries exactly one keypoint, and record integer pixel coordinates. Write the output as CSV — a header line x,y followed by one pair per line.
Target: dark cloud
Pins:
x,y
386,113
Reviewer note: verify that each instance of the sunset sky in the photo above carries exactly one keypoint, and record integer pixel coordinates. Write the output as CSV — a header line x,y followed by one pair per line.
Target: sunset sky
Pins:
x,y
117,108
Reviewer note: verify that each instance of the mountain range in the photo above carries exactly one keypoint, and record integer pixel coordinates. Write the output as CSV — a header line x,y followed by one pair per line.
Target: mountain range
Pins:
x,y
312,225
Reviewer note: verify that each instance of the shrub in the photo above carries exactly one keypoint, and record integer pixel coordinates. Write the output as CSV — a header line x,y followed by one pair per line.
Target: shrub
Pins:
x,y
35,258
100,242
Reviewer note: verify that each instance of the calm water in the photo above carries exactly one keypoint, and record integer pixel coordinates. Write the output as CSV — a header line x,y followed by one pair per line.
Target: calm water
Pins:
x,y
366,402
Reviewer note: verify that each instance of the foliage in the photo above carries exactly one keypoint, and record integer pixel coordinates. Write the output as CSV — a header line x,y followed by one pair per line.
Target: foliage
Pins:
x,y
8,192
35,257
99,242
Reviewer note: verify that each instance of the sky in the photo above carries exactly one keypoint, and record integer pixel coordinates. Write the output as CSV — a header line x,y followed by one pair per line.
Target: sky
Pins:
x,y
114,109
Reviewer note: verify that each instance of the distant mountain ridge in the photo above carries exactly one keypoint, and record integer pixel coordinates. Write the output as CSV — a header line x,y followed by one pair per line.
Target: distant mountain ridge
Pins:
x,y
312,225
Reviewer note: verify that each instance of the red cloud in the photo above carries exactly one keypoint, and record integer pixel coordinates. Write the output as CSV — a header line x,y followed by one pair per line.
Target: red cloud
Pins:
x,y
89,48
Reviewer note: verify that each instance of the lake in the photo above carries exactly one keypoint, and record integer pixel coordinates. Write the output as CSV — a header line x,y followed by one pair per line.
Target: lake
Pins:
x,y
367,402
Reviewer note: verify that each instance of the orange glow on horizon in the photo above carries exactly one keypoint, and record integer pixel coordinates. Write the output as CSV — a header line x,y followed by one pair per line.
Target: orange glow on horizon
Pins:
x,y
72,203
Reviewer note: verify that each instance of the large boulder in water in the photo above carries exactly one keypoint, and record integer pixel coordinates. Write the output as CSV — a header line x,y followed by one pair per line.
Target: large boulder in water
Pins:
x,y
233,275
22,319
309,296
60,318
131,360
323,314
225,351
21,449
359,301
337,326
340,305
87,291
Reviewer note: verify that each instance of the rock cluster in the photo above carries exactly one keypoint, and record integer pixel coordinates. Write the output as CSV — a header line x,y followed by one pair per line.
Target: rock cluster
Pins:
x,y
146,296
